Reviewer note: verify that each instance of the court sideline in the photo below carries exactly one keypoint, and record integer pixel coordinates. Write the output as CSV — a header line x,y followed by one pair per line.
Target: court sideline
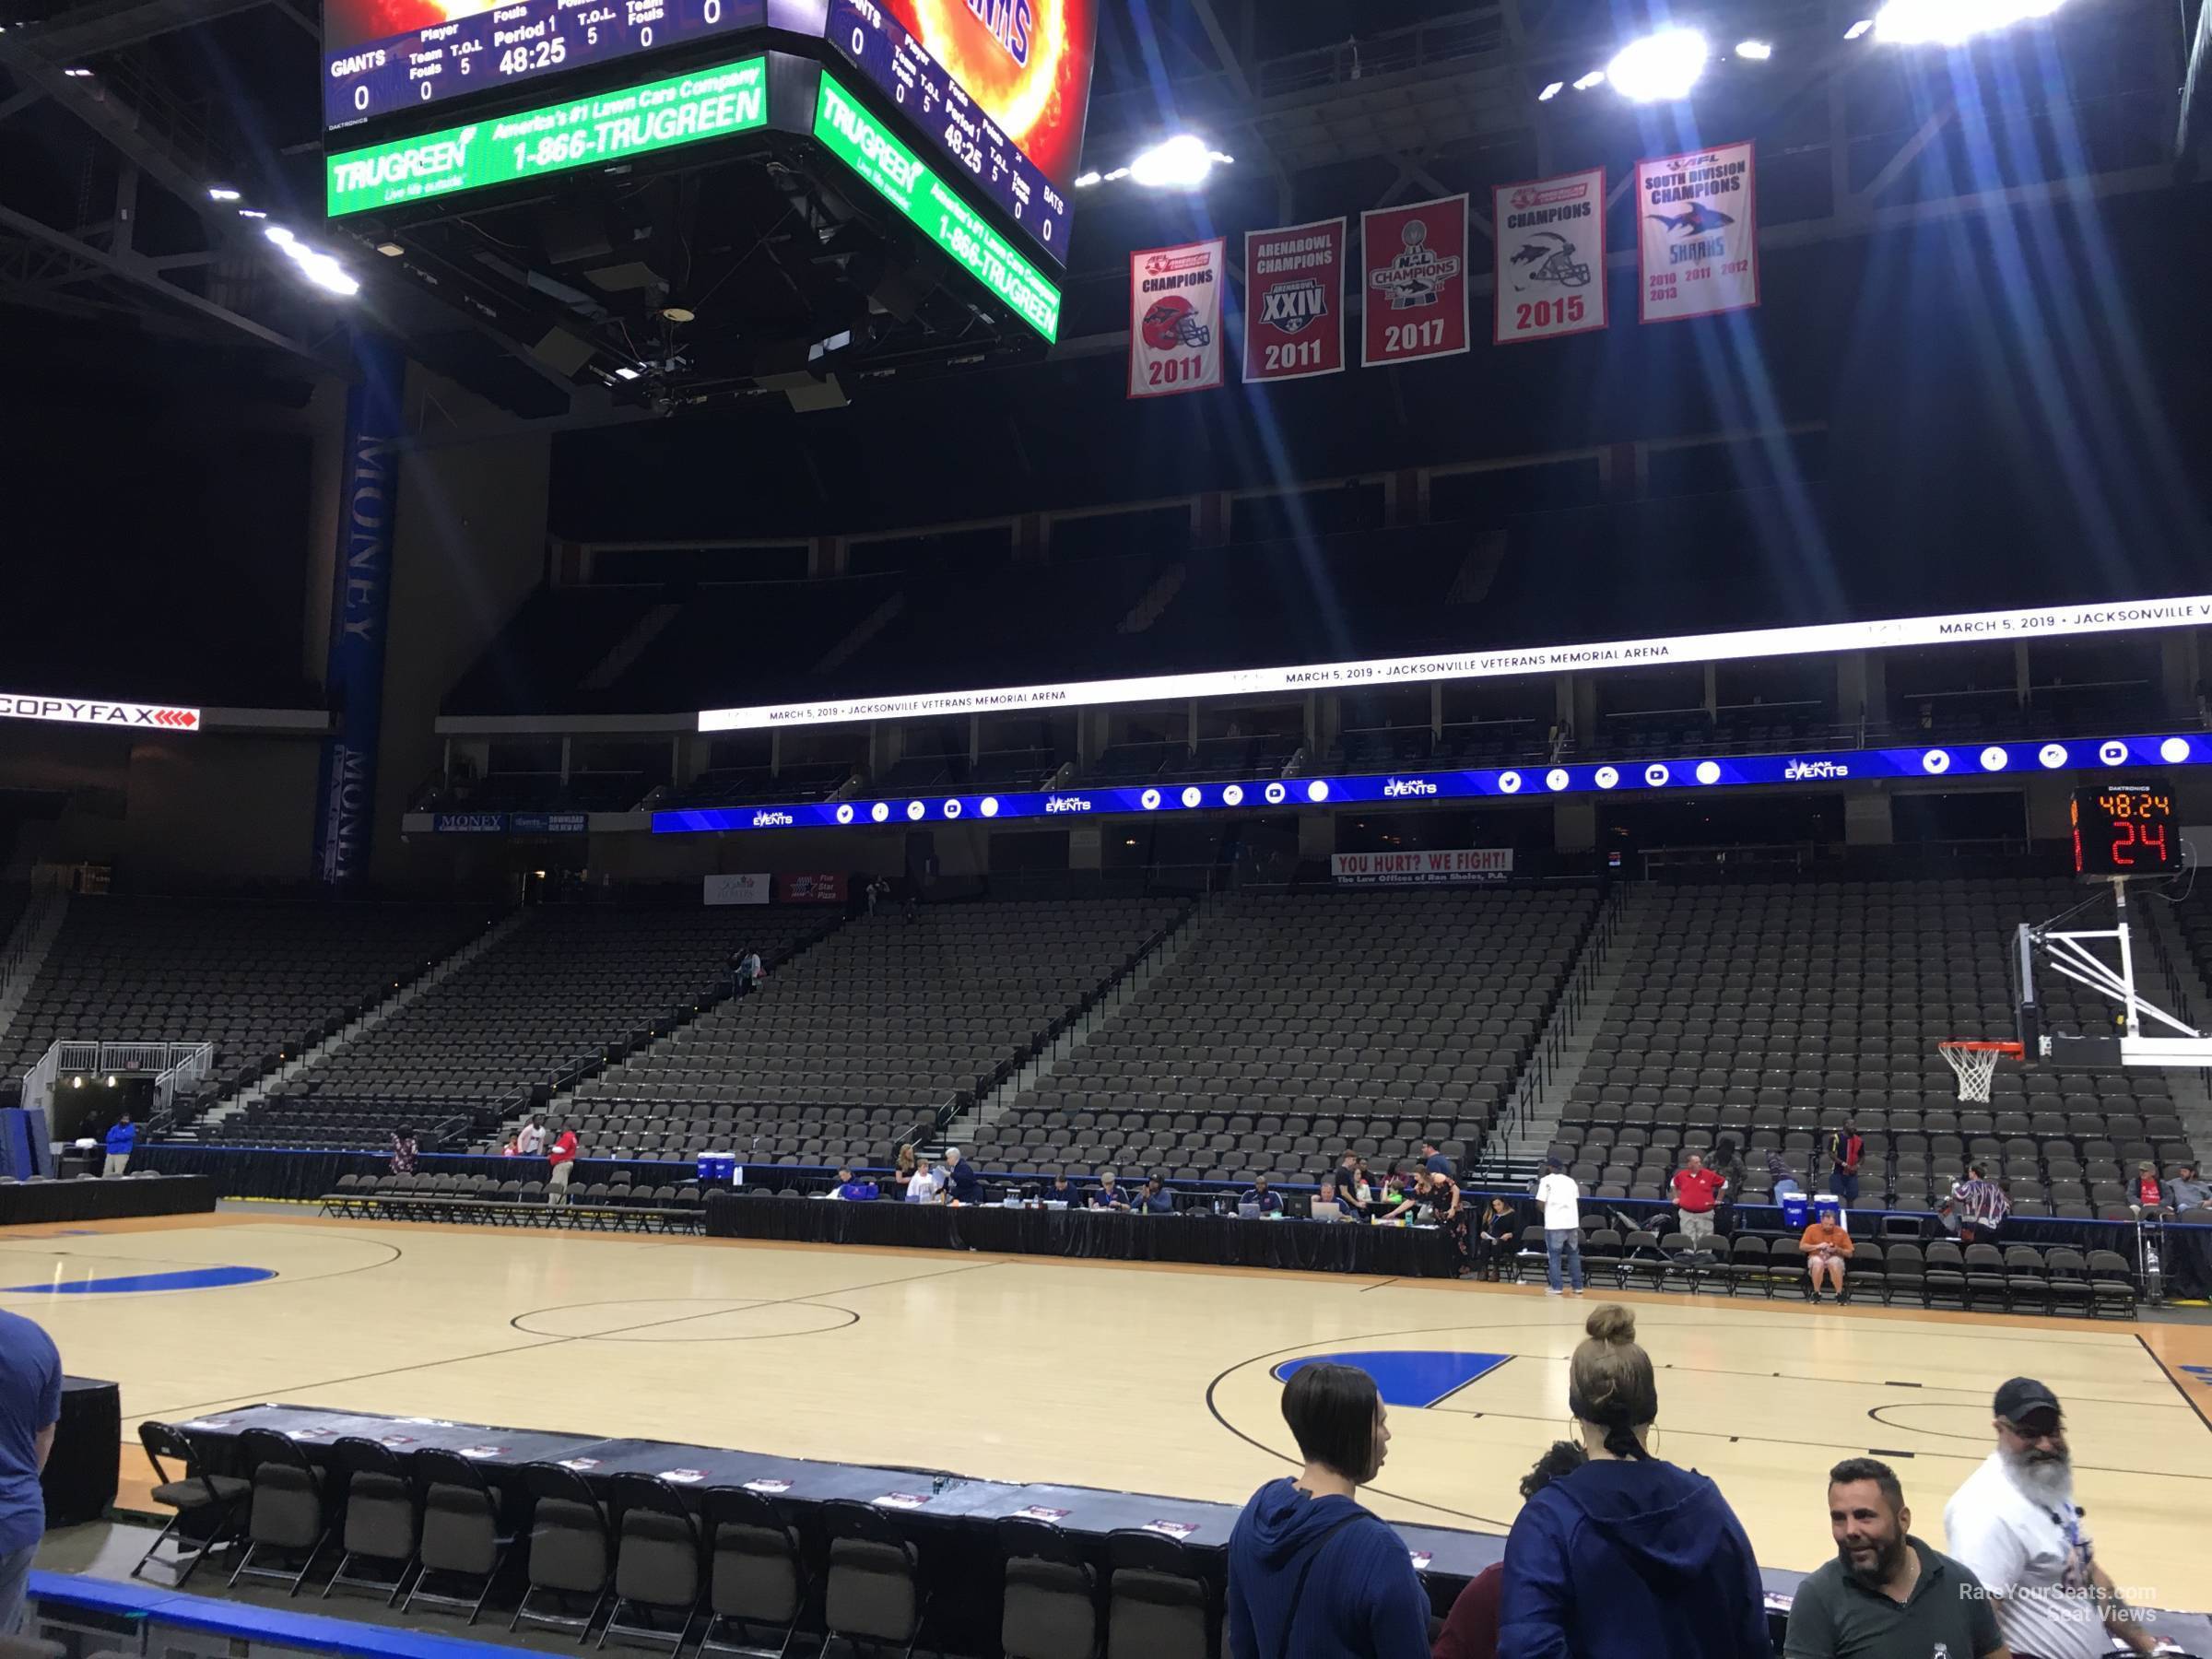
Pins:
x,y
1149,1378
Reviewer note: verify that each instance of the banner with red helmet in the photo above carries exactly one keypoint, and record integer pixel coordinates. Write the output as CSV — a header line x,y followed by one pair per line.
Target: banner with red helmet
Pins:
x,y
1294,301
1552,257
1175,319
1415,282
1697,234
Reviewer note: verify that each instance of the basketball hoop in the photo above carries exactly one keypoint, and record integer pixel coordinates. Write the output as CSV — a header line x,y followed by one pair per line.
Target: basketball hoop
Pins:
x,y
1976,1065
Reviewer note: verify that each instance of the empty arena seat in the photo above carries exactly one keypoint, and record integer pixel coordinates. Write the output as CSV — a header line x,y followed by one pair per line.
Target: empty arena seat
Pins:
x,y
1292,1026
570,983
1770,1011
861,1036
253,978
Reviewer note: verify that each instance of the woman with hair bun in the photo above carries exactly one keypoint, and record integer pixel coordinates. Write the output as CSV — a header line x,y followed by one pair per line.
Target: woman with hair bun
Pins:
x,y
1627,1556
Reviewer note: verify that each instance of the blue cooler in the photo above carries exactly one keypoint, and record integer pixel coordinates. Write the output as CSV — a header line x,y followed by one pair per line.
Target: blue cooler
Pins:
x,y
720,1168
1796,1211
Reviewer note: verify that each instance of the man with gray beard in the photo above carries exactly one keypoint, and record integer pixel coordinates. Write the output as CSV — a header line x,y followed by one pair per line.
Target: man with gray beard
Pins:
x,y
2015,1525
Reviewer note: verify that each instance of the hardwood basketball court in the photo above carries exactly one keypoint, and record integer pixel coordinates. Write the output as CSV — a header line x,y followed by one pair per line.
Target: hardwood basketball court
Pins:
x,y
1146,1377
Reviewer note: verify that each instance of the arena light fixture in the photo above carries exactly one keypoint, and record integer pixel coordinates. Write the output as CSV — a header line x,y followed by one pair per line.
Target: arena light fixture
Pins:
x,y
1951,22
1759,51
1182,162
1596,77
1088,181
1660,67
252,213
1858,28
78,74
1551,91
223,193
318,267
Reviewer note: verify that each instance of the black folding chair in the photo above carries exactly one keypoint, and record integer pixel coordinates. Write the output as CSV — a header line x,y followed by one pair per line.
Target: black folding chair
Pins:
x,y
383,1521
757,1573
209,1508
285,1514
461,1534
656,1561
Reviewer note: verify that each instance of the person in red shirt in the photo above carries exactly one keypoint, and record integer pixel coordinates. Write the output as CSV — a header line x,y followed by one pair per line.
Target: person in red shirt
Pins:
x,y
562,1157
2150,1198
1697,1189
1471,1630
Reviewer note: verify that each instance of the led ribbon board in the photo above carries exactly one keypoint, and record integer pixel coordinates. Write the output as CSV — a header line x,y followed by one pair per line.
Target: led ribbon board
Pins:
x,y
1832,768
1964,628
895,173
606,127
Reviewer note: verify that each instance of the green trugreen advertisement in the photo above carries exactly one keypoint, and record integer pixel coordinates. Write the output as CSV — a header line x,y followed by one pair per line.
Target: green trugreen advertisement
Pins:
x,y
859,140
608,127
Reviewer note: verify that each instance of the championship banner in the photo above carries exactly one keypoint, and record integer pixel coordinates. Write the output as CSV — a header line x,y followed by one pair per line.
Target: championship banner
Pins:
x,y
1294,301
1416,283
1552,257
1697,234
1175,319
1421,869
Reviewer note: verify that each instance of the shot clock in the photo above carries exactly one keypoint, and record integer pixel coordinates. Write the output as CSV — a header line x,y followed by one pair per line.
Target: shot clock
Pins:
x,y
2126,829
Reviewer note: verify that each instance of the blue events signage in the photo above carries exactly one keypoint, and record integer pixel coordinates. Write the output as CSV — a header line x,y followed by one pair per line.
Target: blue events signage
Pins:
x,y
1279,794
361,602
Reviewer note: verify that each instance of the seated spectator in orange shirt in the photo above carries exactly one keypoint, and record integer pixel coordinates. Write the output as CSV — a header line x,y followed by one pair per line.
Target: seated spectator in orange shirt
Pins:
x,y
1826,1247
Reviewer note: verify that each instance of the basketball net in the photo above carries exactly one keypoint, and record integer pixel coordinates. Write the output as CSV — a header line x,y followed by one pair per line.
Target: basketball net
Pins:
x,y
1976,1066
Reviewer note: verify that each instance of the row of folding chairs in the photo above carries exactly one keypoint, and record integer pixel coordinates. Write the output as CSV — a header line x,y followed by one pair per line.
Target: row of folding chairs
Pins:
x,y
616,1206
2013,1278
640,1562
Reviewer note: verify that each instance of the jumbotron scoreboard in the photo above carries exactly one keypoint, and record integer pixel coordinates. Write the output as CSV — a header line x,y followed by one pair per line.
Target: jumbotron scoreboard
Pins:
x,y
964,116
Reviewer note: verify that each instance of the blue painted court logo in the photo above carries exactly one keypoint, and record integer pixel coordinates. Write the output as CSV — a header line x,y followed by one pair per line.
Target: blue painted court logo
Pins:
x,y
2199,1374
187,1278
1419,1377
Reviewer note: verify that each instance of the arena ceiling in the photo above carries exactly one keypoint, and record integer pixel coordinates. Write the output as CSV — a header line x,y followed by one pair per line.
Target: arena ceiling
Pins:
x,y
117,118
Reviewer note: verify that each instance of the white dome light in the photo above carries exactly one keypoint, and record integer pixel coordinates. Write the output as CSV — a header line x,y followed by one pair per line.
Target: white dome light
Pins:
x,y
1661,68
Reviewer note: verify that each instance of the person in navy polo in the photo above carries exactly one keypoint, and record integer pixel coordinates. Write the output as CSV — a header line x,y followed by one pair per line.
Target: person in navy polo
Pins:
x,y
1106,1196
1268,1201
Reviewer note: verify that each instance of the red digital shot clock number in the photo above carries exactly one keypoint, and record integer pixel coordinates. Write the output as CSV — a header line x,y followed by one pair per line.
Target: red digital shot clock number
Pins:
x,y
2126,829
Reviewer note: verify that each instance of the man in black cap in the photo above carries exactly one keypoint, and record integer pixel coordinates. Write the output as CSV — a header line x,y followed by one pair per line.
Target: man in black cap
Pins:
x,y
1886,1594
2015,1526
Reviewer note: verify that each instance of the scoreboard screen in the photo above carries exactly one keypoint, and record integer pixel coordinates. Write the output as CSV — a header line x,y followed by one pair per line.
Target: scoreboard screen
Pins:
x,y
379,57
1000,87
2126,829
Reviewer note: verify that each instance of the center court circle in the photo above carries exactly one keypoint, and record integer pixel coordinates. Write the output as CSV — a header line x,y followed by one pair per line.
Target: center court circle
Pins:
x,y
685,1319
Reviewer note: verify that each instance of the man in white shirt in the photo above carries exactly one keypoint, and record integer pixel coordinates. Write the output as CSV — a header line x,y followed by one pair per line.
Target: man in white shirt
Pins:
x,y
1561,1200
531,1139
2014,1524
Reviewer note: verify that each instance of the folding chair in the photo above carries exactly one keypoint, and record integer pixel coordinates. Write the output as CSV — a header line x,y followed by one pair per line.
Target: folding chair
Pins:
x,y
757,1572
209,1508
286,1512
657,1560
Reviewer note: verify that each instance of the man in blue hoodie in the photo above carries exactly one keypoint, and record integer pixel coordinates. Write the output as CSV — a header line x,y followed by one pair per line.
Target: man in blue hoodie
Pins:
x,y
1627,1556
121,1139
1312,1573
